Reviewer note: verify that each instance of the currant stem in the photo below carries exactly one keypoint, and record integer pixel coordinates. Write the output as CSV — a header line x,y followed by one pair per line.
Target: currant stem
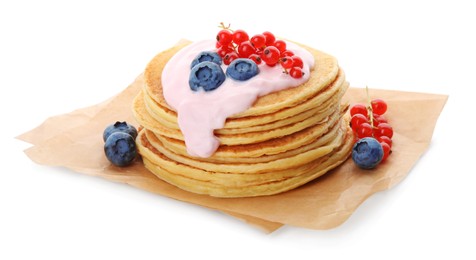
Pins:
x,y
369,108
223,26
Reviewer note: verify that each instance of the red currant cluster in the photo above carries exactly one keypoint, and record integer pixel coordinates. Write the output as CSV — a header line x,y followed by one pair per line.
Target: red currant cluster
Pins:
x,y
368,121
264,47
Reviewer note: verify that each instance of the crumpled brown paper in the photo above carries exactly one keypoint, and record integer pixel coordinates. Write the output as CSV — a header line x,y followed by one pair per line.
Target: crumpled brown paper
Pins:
x,y
74,141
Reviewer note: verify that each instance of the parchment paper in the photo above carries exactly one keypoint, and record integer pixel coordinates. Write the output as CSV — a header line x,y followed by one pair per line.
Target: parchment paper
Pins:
x,y
74,141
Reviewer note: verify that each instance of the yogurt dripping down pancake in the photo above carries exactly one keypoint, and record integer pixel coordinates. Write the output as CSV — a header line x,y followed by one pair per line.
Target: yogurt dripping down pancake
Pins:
x,y
285,139
325,71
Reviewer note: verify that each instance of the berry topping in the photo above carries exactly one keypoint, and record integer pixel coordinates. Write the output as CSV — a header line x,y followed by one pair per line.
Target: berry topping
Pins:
x,y
287,53
119,127
240,36
120,149
287,62
256,58
281,45
261,47
224,37
367,153
207,75
258,41
297,61
296,72
269,38
223,50
242,69
229,57
270,55
245,49
206,56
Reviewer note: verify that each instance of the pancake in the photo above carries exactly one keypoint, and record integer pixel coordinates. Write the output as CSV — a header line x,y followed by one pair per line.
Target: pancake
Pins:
x,y
249,185
335,90
269,147
273,165
179,148
285,139
144,118
326,71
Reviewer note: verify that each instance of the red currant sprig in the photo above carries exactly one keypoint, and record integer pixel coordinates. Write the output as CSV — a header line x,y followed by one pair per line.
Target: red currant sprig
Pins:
x,y
259,48
369,121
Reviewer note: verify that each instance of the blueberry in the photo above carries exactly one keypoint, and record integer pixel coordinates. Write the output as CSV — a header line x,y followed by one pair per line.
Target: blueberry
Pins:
x,y
207,75
206,56
120,149
367,153
119,127
242,69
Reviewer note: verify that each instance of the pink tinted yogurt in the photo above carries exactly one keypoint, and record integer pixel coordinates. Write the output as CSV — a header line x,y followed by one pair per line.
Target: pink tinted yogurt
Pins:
x,y
200,112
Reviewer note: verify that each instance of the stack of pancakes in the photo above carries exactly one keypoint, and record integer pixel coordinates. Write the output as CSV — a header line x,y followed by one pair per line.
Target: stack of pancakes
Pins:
x,y
284,140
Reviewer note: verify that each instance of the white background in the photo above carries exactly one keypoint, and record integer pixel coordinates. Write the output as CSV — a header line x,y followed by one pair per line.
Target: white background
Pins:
x,y
59,56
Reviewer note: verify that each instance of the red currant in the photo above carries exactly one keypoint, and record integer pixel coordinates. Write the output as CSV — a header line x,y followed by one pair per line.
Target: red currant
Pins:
x,y
245,49
364,115
269,38
261,48
358,109
287,53
286,62
240,36
357,120
386,151
384,129
223,50
270,55
385,139
296,72
364,130
259,51
229,57
280,44
379,106
297,61
258,41
256,58
379,119
224,37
